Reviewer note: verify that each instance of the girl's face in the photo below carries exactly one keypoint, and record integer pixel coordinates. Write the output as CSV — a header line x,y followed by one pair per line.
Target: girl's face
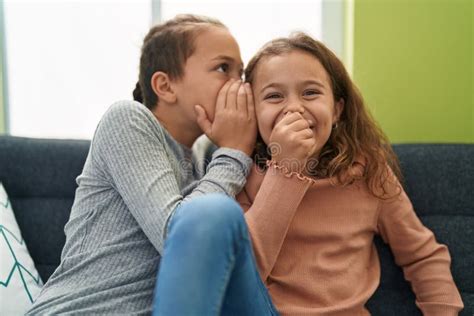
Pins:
x,y
295,82
215,60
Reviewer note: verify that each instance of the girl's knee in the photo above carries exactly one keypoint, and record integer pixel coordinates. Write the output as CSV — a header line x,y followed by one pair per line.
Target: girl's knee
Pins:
x,y
221,209
209,213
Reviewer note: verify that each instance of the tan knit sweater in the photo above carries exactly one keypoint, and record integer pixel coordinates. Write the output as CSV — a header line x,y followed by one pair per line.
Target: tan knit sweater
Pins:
x,y
313,243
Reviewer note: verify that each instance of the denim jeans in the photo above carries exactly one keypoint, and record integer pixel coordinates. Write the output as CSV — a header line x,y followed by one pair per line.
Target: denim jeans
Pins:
x,y
208,266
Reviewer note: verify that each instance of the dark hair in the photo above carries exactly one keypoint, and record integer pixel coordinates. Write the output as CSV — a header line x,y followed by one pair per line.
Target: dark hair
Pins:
x,y
357,135
166,48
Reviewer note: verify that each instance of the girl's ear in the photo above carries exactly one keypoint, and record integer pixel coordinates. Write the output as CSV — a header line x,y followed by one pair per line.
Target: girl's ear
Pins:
x,y
338,108
161,85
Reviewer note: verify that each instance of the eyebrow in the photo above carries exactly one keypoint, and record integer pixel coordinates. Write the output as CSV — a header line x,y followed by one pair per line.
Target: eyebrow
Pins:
x,y
229,59
316,82
306,82
270,85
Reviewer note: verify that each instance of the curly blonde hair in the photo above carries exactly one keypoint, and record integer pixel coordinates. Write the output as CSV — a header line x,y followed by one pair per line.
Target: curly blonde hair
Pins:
x,y
357,136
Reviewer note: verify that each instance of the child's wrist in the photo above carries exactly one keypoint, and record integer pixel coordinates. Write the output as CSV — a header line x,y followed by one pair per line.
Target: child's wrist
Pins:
x,y
289,172
289,164
246,151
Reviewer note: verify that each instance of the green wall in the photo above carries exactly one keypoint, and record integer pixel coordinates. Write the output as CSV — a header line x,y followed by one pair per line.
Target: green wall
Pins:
x,y
413,61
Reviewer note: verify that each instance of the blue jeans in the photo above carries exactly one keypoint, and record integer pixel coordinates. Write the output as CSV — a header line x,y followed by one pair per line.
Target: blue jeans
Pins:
x,y
208,266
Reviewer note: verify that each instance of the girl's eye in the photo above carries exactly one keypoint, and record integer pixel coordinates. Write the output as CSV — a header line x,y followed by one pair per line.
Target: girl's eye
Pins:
x,y
223,67
272,96
310,92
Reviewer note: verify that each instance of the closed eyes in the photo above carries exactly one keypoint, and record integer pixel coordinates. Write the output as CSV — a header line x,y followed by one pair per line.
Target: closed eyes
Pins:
x,y
272,96
306,93
311,92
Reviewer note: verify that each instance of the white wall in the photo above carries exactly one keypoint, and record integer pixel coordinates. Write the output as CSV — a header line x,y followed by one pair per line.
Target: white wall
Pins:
x,y
254,22
68,61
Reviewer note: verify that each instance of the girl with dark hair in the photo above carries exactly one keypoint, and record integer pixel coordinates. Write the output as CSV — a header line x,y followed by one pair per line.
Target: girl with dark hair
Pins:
x,y
142,182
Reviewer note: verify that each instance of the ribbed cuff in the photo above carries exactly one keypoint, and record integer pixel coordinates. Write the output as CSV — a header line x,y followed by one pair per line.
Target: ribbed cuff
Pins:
x,y
239,156
289,173
439,309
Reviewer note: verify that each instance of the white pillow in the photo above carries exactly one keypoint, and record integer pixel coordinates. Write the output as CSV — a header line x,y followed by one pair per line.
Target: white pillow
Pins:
x,y
20,283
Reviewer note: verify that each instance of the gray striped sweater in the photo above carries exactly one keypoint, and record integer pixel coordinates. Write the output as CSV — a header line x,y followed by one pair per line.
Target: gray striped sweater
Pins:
x,y
134,177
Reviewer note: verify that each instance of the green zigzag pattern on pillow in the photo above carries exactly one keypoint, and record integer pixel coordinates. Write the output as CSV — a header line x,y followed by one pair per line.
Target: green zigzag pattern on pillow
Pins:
x,y
6,204
17,266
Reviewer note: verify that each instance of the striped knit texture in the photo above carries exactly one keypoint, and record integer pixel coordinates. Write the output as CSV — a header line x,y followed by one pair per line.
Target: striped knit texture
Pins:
x,y
134,177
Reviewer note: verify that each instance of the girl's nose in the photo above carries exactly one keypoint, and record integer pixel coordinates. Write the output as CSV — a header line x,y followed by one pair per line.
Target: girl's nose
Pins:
x,y
294,107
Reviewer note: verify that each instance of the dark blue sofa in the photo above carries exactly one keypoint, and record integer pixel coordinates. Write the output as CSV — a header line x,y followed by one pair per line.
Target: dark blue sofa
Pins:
x,y
39,176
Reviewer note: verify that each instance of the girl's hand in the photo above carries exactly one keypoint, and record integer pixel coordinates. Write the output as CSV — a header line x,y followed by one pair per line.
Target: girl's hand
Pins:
x,y
235,125
292,142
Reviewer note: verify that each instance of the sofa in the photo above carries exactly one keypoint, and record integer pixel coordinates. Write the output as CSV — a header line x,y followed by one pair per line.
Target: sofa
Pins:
x,y
39,176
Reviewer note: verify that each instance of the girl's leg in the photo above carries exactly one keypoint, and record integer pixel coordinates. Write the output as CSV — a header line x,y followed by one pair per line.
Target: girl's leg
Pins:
x,y
208,267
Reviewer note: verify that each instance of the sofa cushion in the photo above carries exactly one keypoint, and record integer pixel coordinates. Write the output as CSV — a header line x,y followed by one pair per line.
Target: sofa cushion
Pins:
x,y
20,283
39,176
439,180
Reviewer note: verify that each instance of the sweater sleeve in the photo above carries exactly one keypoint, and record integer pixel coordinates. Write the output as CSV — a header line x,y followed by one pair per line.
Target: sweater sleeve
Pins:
x,y
130,152
270,213
226,173
425,263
